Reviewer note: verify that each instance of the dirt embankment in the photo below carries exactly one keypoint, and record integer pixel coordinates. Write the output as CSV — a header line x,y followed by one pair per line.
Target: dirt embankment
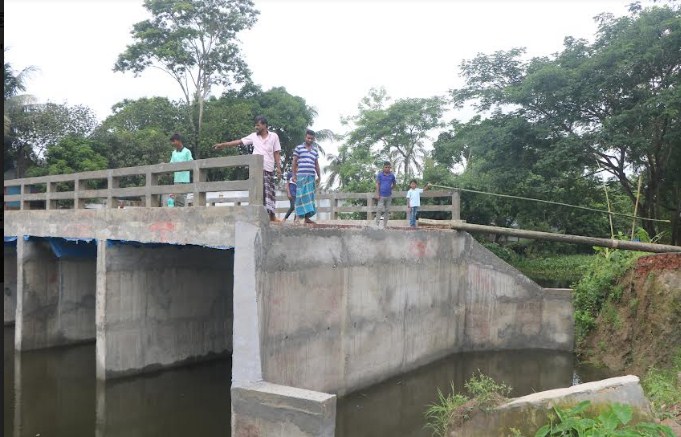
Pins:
x,y
642,328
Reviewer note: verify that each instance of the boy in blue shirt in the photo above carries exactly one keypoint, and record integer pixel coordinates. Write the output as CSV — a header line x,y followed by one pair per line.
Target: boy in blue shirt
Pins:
x,y
180,154
414,201
385,182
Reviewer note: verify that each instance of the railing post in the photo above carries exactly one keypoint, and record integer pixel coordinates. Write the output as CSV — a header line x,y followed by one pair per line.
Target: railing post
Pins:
x,y
49,202
151,181
77,202
332,206
255,178
23,204
199,175
370,206
456,205
111,184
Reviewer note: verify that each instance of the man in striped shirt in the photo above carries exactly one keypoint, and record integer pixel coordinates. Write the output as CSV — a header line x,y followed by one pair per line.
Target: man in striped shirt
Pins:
x,y
305,166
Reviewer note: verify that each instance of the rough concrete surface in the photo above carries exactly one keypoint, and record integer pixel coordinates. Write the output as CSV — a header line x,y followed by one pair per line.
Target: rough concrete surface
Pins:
x,y
205,226
342,309
55,297
529,413
159,306
262,409
10,284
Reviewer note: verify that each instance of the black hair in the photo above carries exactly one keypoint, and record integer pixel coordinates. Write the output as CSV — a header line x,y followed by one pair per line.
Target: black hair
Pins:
x,y
176,136
309,132
414,181
386,163
261,119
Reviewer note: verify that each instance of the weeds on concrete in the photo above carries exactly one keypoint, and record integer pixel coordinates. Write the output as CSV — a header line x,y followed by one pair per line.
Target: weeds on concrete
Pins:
x,y
453,409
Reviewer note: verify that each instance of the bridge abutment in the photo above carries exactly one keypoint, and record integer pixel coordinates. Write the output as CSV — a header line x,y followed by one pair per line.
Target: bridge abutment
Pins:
x,y
160,305
55,295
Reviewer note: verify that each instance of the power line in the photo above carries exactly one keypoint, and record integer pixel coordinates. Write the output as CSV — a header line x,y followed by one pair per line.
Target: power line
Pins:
x,y
553,203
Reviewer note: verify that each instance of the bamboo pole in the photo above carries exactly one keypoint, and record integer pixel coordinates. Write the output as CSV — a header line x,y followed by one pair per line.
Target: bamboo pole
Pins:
x,y
565,238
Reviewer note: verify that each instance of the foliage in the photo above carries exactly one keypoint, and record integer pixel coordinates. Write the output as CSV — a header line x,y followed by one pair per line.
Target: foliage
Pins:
x,y
195,42
439,414
614,420
567,269
610,106
396,132
598,285
663,390
16,154
452,409
73,154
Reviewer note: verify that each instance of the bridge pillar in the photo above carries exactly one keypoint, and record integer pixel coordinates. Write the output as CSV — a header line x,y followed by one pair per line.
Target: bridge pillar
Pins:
x,y
55,296
160,305
10,282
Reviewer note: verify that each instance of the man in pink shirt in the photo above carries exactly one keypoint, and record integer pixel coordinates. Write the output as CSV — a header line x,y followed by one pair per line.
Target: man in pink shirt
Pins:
x,y
264,143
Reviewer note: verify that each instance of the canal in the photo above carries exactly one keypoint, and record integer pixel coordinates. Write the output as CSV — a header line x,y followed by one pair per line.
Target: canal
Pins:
x,y
54,393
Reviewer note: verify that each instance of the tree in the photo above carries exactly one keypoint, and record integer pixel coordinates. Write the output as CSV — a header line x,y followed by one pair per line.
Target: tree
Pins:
x,y
72,154
15,155
195,42
612,104
138,131
36,127
398,131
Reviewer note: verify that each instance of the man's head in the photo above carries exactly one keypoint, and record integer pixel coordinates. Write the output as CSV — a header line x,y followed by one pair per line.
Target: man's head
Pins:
x,y
260,125
309,137
413,184
176,140
386,167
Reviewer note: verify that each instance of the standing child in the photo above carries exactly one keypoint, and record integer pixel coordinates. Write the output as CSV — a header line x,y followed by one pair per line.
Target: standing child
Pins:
x,y
414,201
385,182
180,154
291,194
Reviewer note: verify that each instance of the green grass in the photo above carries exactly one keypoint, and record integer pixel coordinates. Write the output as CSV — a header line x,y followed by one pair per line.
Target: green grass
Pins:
x,y
567,269
454,408
663,390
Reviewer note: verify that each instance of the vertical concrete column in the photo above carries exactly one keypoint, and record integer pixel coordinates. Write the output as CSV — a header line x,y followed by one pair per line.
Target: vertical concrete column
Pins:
x,y
10,283
55,297
161,305
260,408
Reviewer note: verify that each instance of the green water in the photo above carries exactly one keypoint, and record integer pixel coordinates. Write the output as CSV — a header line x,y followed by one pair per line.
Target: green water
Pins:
x,y
54,393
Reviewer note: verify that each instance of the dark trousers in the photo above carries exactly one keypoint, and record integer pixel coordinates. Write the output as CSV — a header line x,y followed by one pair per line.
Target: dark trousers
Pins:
x,y
291,208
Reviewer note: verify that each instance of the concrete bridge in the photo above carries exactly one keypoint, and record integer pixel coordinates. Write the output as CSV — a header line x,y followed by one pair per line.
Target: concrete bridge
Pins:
x,y
308,313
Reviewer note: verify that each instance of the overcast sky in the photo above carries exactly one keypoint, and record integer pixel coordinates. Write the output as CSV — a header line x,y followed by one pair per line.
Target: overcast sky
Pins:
x,y
330,53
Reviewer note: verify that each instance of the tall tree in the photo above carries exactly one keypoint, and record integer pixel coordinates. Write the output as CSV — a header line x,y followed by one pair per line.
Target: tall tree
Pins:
x,y
14,103
195,42
612,104
397,131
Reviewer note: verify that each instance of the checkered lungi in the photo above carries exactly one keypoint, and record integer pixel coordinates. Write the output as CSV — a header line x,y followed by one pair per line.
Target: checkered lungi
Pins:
x,y
270,199
305,188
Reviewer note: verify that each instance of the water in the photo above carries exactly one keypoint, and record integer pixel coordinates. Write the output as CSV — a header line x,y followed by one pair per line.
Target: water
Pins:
x,y
55,393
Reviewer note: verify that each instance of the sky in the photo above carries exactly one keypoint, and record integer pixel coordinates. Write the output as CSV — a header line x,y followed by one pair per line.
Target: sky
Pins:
x,y
331,53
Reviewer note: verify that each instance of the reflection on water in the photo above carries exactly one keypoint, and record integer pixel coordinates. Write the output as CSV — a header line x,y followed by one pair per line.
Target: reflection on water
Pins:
x,y
55,393
396,407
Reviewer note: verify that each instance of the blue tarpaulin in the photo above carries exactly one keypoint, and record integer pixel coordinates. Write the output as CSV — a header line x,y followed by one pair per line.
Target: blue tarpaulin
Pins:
x,y
73,248
10,241
110,243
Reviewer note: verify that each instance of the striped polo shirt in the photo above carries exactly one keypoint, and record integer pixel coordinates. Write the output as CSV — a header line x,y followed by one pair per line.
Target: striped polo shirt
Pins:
x,y
306,159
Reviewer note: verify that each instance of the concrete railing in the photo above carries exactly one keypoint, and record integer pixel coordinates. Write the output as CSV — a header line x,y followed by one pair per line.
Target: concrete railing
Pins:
x,y
337,203
150,191
45,191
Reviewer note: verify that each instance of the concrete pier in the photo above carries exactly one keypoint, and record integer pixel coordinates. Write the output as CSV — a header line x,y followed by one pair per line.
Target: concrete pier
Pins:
x,y
55,297
10,283
161,305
